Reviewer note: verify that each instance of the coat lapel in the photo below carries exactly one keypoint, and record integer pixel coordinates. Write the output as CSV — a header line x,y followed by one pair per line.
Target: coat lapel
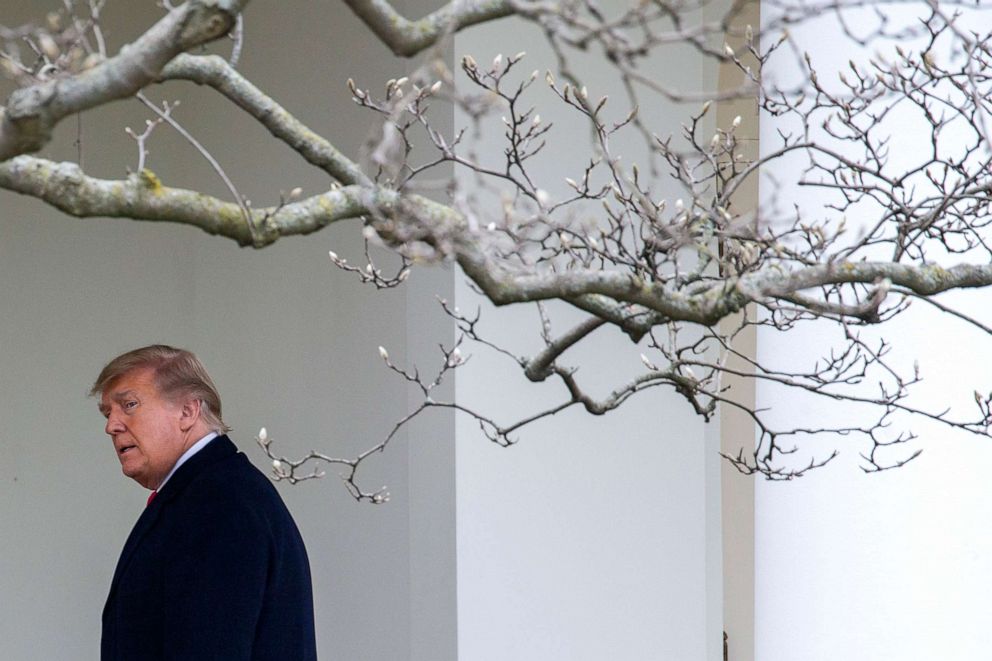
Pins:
x,y
144,524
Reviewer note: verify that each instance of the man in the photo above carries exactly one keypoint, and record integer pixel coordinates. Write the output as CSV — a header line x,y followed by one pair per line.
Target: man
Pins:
x,y
214,568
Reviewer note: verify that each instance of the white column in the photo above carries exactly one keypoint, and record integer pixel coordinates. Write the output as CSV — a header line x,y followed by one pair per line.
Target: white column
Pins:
x,y
895,565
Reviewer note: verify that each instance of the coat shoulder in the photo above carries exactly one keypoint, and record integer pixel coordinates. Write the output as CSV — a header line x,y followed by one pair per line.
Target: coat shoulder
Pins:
x,y
233,485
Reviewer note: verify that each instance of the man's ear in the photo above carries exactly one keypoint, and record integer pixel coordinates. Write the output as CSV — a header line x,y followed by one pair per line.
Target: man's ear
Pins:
x,y
189,414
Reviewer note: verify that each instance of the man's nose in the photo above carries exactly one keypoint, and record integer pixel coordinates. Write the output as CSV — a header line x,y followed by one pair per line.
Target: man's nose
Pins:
x,y
114,425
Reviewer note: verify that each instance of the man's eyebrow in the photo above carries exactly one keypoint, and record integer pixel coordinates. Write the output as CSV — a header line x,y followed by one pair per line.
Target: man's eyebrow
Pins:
x,y
116,396
121,394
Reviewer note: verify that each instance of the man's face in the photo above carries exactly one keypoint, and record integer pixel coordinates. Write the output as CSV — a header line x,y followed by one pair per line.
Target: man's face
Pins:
x,y
145,427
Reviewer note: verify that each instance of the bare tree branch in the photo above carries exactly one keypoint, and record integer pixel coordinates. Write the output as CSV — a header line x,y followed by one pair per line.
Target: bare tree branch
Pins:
x,y
217,73
32,112
405,37
142,196
668,255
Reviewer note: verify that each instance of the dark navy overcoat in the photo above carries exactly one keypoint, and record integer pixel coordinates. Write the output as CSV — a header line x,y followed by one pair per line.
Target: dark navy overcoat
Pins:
x,y
215,568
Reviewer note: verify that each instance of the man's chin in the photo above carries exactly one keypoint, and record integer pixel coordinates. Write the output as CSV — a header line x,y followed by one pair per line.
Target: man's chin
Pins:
x,y
131,469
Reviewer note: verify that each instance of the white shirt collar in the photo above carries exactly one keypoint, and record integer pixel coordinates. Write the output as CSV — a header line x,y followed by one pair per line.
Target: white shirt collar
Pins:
x,y
196,447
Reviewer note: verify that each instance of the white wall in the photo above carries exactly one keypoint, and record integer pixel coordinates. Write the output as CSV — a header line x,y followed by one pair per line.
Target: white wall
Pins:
x,y
890,566
290,341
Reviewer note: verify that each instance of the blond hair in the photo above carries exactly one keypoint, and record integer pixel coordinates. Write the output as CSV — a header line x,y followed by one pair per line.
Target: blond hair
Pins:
x,y
178,373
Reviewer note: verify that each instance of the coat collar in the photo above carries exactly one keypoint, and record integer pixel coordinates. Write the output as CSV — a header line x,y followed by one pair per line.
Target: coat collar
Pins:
x,y
216,450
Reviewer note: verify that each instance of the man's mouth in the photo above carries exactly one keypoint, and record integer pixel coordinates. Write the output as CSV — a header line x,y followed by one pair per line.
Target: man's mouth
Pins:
x,y
125,448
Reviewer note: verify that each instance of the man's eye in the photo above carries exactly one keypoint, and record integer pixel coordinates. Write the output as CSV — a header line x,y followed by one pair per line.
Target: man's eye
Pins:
x,y
128,405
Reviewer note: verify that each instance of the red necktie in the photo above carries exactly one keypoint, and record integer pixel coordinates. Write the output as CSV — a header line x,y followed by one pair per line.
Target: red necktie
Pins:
x,y
151,497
